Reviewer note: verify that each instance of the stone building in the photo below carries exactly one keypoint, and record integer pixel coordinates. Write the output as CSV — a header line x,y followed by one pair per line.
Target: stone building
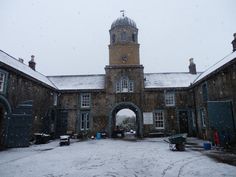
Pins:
x,y
164,103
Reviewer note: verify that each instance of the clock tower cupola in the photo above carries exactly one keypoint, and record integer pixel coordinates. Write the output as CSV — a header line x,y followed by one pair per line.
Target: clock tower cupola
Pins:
x,y
124,47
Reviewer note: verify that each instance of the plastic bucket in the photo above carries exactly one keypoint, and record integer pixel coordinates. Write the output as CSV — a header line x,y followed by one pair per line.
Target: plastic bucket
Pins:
x,y
98,136
207,146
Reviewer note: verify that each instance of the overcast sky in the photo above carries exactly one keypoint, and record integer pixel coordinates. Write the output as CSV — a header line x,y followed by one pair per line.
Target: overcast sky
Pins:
x,y
72,36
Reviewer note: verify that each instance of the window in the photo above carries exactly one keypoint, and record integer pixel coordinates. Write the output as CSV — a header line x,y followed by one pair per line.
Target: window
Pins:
x,y
2,81
55,99
131,86
84,121
123,36
203,117
193,119
124,85
113,38
159,119
85,100
170,98
134,37
204,92
117,86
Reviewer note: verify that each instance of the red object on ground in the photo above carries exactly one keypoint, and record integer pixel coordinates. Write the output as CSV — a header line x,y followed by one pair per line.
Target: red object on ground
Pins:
x,y
216,138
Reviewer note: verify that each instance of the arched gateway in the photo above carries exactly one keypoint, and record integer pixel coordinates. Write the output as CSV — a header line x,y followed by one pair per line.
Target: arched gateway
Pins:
x,y
125,105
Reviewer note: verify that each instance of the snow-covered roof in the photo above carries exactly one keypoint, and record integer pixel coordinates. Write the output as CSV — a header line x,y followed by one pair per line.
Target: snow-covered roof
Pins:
x,y
16,64
79,82
169,80
216,66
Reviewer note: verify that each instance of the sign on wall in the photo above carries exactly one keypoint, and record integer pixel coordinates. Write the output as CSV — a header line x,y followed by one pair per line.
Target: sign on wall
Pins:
x,y
147,118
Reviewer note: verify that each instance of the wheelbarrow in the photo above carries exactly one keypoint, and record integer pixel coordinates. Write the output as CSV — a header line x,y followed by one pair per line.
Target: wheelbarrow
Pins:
x,y
177,142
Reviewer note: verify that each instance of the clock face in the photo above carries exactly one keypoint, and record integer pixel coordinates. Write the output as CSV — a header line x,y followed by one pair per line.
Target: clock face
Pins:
x,y
124,59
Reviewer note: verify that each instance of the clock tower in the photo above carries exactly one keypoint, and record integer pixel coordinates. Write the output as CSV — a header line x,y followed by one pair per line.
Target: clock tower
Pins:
x,y
124,79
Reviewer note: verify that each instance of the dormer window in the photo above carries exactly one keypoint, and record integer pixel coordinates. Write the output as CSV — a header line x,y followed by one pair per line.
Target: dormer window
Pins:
x,y
124,85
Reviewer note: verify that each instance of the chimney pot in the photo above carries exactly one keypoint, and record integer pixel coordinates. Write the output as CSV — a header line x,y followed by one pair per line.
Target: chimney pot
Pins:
x,y
234,43
32,63
32,57
21,60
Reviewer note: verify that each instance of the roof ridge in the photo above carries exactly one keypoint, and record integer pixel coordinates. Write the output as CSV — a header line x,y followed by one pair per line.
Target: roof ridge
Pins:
x,y
83,75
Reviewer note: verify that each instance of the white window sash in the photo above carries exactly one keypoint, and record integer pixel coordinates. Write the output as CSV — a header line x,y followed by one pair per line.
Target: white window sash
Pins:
x,y
85,100
2,81
159,120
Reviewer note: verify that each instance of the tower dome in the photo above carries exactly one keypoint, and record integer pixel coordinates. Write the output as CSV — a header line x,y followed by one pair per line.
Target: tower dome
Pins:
x,y
123,21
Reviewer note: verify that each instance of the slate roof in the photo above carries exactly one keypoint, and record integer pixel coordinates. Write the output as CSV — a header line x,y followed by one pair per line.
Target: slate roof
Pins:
x,y
79,82
97,82
152,80
216,66
169,80
17,65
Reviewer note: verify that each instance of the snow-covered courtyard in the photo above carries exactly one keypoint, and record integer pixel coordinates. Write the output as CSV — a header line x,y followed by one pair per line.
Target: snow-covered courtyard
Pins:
x,y
107,157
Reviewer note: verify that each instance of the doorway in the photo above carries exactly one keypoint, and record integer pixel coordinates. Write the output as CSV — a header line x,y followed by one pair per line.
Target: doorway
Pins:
x,y
183,121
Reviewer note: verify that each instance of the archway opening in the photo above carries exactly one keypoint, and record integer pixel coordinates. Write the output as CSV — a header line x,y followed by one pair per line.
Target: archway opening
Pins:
x,y
126,121
131,107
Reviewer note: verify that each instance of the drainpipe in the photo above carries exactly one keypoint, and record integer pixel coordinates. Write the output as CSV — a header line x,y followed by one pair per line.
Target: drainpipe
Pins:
x,y
195,112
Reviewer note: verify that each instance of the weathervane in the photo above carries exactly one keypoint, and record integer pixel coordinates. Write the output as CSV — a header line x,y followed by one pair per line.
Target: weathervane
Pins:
x,y
123,12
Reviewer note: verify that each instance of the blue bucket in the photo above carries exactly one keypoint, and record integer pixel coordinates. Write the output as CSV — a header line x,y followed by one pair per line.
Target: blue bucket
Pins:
x,y
98,136
207,146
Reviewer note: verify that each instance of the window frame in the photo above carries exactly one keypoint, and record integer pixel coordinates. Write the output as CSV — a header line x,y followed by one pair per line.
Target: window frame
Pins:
x,y
124,85
85,103
4,81
84,121
204,92
123,36
159,119
203,117
169,98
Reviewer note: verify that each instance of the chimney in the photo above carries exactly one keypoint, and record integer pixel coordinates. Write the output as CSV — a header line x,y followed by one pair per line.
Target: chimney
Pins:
x,y
21,60
32,63
234,43
192,67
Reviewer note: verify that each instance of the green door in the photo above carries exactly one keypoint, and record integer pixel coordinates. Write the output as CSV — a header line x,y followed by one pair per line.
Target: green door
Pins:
x,y
220,116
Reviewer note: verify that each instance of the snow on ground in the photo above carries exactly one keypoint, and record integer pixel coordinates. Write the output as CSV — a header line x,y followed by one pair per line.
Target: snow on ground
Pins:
x,y
107,157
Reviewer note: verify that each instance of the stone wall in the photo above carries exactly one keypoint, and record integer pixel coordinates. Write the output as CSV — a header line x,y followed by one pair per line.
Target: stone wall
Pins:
x,y
21,88
220,87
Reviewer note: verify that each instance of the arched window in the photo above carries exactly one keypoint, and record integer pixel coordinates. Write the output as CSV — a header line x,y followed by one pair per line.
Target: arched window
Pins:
x,y
134,37
124,85
113,38
123,36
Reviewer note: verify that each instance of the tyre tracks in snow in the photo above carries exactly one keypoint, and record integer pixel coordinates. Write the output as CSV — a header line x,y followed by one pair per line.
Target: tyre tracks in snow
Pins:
x,y
179,165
